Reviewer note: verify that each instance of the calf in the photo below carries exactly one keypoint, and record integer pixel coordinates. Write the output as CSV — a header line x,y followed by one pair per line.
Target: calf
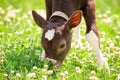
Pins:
x,y
62,16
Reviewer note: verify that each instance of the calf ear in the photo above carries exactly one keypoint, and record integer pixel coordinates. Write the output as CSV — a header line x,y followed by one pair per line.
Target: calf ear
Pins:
x,y
39,20
74,20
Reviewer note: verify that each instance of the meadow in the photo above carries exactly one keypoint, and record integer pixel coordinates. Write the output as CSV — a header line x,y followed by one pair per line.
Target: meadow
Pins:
x,y
20,48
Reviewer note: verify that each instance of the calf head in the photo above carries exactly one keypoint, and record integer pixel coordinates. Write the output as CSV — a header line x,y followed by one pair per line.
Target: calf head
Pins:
x,y
56,39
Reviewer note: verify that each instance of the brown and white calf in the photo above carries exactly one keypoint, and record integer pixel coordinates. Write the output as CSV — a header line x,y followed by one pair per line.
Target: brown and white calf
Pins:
x,y
62,16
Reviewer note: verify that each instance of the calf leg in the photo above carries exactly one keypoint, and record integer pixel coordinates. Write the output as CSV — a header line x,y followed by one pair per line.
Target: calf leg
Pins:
x,y
92,32
94,42
78,37
48,8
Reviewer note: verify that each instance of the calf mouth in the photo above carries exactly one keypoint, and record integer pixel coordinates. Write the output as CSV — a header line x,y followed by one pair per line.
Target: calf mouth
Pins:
x,y
54,63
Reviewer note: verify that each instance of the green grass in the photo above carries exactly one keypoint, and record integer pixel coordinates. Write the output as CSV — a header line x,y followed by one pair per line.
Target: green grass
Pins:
x,y
20,47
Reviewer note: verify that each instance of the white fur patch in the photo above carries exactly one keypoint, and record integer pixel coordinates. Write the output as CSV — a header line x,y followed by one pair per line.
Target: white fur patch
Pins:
x,y
50,34
93,41
78,37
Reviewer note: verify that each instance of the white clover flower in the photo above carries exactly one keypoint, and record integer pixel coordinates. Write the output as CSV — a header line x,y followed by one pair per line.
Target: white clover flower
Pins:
x,y
108,11
99,16
107,20
66,72
2,10
69,62
25,16
118,32
27,57
38,30
30,13
34,67
43,70
1,22
103,33
117,37
10,7
118,76
30,23
9,35
77,69
11,13
44,77
18,74
118,51
1,61
93,73
94,78
31,75
19,19
102,39
73,54
2,33
12,71
28,39
112,45
62,75
1,55
5,74
75,57
68,58
45,66
50,72
37,52
20,32
63,78
105,15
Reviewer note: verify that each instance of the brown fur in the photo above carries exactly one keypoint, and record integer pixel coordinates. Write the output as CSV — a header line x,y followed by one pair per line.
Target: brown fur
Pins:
x,y
58,47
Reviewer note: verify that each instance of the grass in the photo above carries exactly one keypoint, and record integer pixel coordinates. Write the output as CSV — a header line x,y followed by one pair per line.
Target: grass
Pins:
x,y
20,47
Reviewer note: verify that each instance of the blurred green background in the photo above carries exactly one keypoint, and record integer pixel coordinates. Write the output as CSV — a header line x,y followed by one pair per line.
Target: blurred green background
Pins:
x,y
25,5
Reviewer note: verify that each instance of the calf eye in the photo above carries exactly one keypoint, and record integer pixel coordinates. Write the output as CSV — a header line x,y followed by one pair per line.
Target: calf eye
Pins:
x,y
62,45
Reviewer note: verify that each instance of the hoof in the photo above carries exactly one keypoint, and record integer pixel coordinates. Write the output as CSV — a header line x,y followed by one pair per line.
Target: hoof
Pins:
x,y
104,66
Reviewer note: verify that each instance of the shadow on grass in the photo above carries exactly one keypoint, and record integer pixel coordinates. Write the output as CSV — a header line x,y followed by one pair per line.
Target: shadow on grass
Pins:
x,y
21,60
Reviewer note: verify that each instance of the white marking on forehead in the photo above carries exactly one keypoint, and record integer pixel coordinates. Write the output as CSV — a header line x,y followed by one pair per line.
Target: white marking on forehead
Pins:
x,y
50,34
